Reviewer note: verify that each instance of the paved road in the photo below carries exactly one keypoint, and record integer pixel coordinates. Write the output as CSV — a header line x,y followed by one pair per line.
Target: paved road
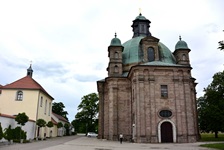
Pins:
x,y
85,143
37,145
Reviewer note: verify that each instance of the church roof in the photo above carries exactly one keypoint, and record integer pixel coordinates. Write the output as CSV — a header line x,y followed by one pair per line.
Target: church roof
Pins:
x,y
140,17
133,54
26,82
115,41
181,45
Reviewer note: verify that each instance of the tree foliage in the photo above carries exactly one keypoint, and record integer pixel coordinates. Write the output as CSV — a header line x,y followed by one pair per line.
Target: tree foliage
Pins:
x,y
221,45
211,106
67,127
58,108
22,118
59,125
87,115
8,133
41,123
50,124
1,132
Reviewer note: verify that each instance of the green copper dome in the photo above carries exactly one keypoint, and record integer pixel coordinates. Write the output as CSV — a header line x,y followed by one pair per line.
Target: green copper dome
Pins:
x,y
133,54
115,41
140,17
181,45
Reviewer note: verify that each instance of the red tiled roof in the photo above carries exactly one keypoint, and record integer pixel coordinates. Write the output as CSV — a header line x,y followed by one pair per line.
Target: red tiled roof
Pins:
x,y
60,117
13,117
26,82
54,122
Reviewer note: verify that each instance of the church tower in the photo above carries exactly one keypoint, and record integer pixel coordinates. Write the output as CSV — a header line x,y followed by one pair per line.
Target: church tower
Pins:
x,y
181,53
140,26
30,71
115,57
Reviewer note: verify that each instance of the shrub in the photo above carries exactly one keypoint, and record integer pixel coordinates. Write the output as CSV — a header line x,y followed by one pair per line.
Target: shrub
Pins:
x,y
1,132
8,133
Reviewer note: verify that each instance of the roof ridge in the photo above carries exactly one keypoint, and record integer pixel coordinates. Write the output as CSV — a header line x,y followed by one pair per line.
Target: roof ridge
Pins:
x,y
26,82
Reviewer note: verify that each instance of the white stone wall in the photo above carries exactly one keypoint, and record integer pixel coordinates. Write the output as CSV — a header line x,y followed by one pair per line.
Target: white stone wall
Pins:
x,y
29,127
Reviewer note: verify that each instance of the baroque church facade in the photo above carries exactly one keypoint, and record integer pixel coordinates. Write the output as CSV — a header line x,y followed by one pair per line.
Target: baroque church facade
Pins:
x,y
149,95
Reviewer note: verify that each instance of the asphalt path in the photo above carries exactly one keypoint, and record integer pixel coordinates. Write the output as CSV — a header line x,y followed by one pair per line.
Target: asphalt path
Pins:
x,y
36,145
81,142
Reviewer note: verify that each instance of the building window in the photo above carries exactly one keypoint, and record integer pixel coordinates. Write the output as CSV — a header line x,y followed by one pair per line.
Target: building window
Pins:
x,y
41,101
45,110
49,111
165,113
151,54
164,91
116,69
116,55
142,28
19,96
183,57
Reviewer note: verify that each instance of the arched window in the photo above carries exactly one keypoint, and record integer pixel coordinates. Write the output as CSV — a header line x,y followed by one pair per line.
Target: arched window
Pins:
x,y
151,54
19,96
116,55
184,57
116,69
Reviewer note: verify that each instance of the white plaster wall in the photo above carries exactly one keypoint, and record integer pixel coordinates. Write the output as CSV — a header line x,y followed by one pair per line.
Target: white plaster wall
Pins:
x,y
29,127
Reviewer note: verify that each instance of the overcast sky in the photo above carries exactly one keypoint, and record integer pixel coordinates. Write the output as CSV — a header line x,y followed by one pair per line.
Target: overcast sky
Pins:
x,y
67,41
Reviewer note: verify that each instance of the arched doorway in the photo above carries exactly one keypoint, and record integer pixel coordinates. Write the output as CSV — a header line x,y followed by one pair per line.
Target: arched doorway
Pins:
x,y
166,132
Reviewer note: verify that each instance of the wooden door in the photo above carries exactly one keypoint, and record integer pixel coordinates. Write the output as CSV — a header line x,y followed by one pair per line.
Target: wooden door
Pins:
x,y
166,132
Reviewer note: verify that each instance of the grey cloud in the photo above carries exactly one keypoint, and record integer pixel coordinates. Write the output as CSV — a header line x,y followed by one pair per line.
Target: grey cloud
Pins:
x,y
49,68
86,78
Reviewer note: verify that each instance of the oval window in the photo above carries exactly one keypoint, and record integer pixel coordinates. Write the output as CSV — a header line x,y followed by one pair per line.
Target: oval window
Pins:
x,y
165,113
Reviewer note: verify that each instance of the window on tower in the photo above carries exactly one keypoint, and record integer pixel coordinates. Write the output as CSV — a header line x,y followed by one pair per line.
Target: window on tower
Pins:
x,y
19,96
151,54
116,69
116,55
183,57
164,91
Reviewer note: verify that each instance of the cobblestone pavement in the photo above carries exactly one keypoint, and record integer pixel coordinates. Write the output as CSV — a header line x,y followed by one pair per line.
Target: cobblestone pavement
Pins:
x,y
85,143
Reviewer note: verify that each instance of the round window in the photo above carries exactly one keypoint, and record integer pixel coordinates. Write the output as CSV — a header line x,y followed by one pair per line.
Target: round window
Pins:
x,y
165,113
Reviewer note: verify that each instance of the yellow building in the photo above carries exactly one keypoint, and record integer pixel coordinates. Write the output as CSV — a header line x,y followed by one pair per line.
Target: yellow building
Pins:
x,y
27,95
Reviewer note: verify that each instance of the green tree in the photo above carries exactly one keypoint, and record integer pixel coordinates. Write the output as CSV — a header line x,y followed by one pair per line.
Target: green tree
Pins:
x,y
211,106
221,45
40,123
67,127
80,126
59,125
58,108
22,118
8,133
1,132
88,111
50,124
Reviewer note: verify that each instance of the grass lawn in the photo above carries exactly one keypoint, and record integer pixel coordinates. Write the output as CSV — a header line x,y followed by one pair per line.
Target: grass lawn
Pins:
x,y
205,137
215,145
211,137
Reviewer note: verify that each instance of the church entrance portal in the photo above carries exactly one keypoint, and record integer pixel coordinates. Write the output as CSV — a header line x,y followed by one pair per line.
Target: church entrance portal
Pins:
x,y
166,132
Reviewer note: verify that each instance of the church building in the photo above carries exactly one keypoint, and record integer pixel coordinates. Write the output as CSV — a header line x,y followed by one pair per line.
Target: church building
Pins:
x,y
149,94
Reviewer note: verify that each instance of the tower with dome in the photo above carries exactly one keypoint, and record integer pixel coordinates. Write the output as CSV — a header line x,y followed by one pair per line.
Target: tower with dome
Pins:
x,y
149,94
